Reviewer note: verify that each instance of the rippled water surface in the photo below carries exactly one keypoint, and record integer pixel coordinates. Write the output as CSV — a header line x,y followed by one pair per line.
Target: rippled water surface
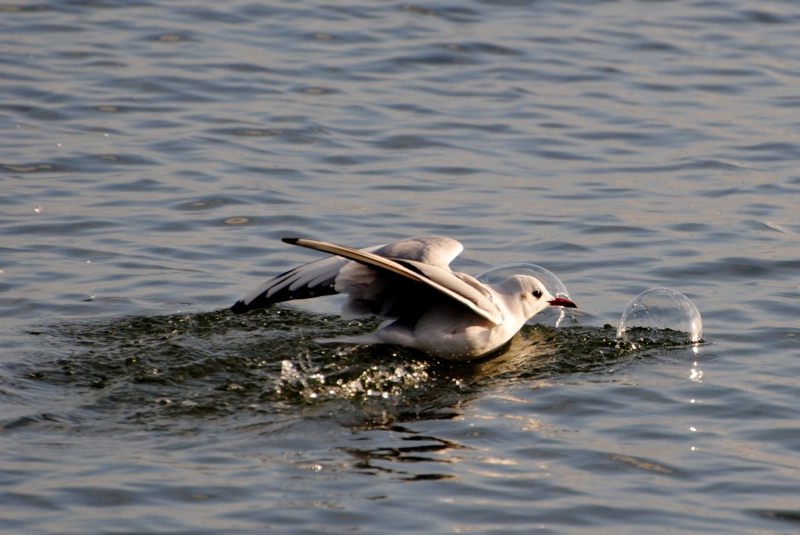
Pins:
x,y
153,153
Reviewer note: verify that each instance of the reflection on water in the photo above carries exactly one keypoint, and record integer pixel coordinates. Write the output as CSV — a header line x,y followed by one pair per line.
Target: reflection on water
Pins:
x,y
420,449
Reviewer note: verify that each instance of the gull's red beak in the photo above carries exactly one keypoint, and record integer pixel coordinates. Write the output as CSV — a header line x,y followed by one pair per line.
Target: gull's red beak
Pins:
x,y
562,302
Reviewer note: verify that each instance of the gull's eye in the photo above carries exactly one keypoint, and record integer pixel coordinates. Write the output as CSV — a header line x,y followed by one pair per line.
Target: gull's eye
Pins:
x,y
537,294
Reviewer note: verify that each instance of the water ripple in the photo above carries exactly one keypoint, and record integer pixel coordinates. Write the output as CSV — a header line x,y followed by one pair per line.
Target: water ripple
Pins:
x,y
154,154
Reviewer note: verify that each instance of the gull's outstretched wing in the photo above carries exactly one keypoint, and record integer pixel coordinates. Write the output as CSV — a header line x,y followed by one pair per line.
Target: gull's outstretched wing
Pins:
x,y
435,276
309,280
317,278
436,251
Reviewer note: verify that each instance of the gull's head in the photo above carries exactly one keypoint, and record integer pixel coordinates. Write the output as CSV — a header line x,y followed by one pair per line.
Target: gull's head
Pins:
x,y
535,297
511,273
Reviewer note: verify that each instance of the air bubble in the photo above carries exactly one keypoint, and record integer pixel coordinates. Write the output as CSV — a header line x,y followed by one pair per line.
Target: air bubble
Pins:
x,y
661,309
553,316
500,273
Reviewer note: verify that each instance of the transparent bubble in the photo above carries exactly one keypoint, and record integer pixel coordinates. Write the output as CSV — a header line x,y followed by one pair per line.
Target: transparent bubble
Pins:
x,y
553,316
552,283
661,309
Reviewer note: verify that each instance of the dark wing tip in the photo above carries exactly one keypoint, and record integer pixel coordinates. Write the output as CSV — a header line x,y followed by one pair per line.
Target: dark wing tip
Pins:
x,y
239,307
291,241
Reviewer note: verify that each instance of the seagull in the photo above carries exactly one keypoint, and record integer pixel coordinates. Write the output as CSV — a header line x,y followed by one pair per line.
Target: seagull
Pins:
x,y
409,284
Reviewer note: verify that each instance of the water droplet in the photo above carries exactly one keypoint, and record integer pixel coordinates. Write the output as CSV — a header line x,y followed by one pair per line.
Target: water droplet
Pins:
x,y
662,309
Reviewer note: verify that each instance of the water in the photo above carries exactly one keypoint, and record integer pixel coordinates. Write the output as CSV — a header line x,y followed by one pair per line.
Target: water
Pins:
x,y
154,153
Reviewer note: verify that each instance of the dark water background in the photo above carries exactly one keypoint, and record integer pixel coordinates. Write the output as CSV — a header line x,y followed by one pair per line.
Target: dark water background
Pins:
x,y
153,153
